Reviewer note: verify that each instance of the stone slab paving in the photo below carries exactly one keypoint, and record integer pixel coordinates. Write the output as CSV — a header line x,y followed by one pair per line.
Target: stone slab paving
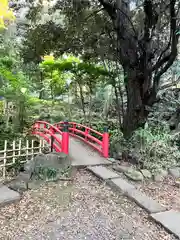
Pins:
x,y
120,185
127,189
170,220
149,204
103,172
8,196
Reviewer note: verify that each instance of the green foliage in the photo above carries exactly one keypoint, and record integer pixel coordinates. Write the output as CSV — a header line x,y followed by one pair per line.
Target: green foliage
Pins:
x,y
7,134
56,71
44,173
50,174
12,81
34,101
16,167
1,107
157,149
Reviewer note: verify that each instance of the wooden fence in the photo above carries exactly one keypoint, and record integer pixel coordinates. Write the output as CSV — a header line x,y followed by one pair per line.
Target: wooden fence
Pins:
x,y
19,151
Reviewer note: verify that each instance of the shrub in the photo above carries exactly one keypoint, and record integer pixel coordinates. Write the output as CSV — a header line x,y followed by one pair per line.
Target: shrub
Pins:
x,y
156,147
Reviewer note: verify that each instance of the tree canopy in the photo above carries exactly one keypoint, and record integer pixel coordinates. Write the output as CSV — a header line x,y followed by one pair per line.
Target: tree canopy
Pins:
x,y
136,39
6,14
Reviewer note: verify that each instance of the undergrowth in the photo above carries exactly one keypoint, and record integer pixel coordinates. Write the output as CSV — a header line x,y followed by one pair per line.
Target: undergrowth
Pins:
x,y
156,147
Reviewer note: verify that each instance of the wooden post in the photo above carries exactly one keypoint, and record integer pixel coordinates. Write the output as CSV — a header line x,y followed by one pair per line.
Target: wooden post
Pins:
x,y
14,152
19,149
27,149
5,153
32,150
40,146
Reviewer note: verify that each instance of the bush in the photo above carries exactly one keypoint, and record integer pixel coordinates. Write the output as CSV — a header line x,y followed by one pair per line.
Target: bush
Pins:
x,y
156,148
1,106
33,101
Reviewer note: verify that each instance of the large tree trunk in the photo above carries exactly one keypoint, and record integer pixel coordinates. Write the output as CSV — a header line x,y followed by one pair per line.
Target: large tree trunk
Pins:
x,y
118,106
143,51
137,100
82,99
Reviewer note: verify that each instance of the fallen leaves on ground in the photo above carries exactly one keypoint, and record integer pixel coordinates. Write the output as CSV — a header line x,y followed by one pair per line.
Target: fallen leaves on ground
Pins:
x,y
83,209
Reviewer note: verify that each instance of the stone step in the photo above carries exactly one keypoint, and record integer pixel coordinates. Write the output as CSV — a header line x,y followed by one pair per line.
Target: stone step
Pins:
x,y
170,220
8,196
149,204
103,172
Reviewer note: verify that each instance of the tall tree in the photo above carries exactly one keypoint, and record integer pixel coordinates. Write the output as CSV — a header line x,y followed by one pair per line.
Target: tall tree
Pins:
x,y
147,42
139,35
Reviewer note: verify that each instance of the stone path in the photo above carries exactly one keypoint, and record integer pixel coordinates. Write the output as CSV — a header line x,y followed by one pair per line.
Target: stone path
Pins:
x,y
86,209
170,220
82,155
8,196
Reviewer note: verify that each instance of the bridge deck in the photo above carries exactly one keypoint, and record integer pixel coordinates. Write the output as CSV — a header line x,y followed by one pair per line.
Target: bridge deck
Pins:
x,y
84,155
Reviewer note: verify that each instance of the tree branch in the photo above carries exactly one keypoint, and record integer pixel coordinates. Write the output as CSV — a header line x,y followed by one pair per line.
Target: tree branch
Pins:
x,y
174,41
161,61
168,85
109,8
93,13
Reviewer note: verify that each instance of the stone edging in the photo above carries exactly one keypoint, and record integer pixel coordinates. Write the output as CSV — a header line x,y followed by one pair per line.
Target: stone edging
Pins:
x,y
168,219
8,196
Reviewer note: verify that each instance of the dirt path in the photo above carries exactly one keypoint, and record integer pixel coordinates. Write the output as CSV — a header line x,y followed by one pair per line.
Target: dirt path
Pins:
x,y
85,209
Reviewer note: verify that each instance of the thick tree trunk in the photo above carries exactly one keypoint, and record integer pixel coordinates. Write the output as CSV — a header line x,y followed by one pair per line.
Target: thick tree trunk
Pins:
x,y
118,106
136,113
82,99
41,93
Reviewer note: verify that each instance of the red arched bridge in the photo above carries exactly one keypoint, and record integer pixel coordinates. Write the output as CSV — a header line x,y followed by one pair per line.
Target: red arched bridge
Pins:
x,y
83,144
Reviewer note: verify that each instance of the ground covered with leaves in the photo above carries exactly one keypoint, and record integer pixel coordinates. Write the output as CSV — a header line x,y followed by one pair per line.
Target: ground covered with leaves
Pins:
x,y
165,192
83,209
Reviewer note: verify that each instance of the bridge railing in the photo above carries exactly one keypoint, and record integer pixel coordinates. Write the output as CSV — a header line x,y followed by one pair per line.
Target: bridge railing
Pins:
x,y
59,140
97,140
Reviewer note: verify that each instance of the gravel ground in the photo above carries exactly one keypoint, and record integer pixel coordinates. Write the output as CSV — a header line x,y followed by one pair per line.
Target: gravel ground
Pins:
x,y
84,209
164,192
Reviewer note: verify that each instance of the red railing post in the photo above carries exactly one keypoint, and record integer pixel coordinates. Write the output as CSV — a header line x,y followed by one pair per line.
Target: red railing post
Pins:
x,y
74,127
65,138
86,133
105,143
51,130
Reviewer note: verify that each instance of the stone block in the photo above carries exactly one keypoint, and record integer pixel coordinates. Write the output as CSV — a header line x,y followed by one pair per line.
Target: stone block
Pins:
x,y
121,168
120,185
134,175
175,172
8,196
170,220
103,172
149,204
